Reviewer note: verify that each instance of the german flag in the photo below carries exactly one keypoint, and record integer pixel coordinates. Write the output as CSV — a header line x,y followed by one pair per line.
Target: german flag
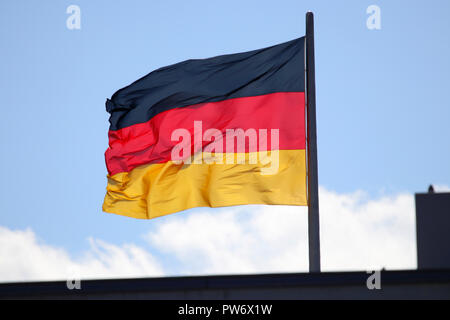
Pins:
x,y
223,131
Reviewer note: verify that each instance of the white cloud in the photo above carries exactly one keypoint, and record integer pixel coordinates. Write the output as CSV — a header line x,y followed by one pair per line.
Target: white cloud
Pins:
x,y
236,240
357,233
368,234
441,188
23,257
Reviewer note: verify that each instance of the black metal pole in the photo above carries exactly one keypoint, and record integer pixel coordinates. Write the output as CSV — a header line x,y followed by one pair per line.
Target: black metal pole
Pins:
x,y
313,188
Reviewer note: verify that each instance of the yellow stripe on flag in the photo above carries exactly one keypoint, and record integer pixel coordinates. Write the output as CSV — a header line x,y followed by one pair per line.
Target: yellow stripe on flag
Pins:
x,y
154,190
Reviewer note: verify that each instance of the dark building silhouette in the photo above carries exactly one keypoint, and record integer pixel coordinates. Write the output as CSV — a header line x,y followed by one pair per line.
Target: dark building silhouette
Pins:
x,y
433,230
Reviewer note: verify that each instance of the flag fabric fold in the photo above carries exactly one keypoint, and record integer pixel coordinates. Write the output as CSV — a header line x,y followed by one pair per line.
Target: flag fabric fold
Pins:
x,y
223,131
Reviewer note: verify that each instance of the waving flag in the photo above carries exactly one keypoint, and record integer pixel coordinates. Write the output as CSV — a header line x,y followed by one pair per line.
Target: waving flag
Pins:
x,y
223,131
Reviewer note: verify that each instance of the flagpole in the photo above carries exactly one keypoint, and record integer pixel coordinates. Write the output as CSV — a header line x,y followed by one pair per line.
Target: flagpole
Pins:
x,y
313,192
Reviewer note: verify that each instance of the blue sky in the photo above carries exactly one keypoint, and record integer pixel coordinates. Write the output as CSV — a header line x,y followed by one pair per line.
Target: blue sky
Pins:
x,y
382,97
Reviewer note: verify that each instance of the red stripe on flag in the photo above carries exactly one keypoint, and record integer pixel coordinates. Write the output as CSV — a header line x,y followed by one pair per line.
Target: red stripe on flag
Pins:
x,y
150,142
